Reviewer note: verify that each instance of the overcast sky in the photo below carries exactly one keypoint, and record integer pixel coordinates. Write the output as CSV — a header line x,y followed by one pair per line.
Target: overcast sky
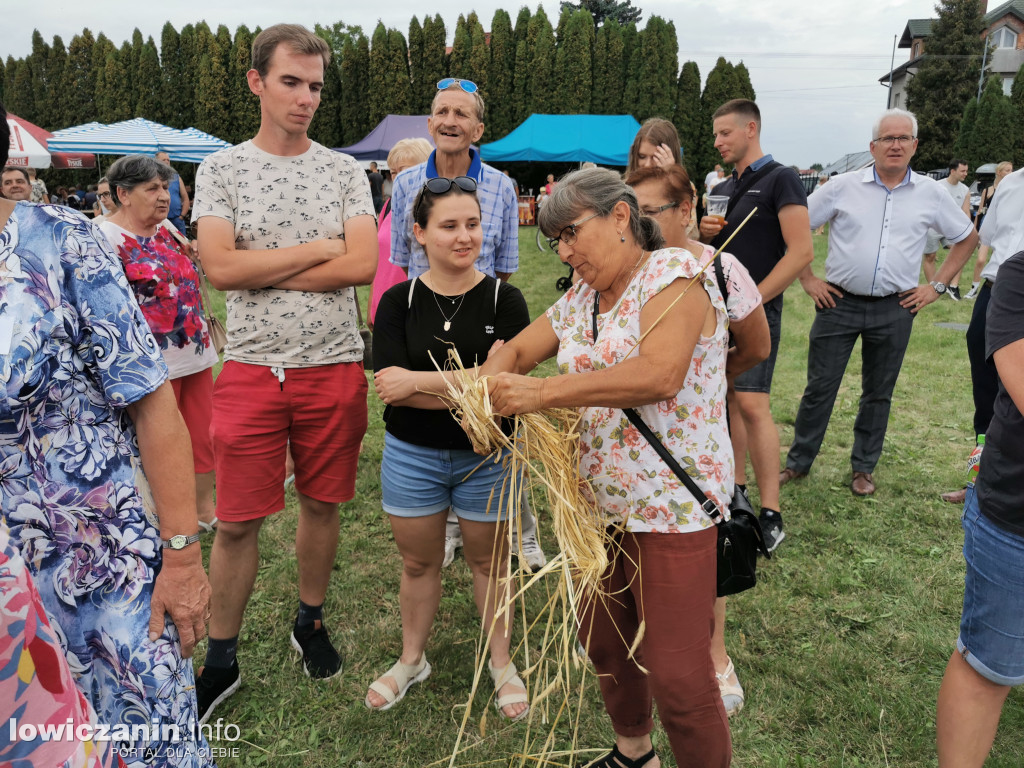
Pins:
x,y
814,65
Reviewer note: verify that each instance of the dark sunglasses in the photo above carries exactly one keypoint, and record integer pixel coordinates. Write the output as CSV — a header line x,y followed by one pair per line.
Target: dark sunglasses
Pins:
x,y
467,85
440,185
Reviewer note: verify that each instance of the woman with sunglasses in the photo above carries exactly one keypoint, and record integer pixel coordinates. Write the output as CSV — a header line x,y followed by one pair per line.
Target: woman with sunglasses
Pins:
x,y
428,464
642,328
665,195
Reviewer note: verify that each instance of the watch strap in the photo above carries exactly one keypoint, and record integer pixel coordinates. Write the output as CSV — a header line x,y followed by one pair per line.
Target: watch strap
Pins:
x,y
180,541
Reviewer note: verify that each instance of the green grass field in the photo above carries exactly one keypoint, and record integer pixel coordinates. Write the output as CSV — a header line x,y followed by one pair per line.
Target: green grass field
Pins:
x,y
841,647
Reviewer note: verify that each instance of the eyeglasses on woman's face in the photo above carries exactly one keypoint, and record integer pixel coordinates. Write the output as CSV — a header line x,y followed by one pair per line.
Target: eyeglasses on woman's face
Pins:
x,y
568,234
654,212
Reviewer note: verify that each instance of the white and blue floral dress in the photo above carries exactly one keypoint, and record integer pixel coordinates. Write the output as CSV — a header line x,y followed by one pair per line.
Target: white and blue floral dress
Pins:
x,y
75,350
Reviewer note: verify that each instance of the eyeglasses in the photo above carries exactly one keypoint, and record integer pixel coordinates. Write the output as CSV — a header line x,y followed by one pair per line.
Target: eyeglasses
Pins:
x,y
103,194
568,234
890,140
658,211
440,185
467,85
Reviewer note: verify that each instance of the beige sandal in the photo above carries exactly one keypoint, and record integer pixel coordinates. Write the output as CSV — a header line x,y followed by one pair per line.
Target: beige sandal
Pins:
x,y
732,695
404,675
509,675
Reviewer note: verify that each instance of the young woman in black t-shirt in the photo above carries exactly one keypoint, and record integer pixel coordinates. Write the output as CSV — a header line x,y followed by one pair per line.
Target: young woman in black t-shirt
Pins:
x,y
428,463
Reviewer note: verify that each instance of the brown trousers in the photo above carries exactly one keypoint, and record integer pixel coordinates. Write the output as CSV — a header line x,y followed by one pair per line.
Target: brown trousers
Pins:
x,y
667,580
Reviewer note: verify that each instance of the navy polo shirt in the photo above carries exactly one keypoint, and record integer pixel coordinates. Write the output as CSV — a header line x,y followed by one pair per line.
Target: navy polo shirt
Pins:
x,y
759,245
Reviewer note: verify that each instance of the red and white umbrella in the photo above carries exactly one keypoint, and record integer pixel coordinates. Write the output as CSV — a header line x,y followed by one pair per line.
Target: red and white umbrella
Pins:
x,y
28,148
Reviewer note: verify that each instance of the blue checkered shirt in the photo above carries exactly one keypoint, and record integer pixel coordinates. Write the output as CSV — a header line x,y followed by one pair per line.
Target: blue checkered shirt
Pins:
x,y
499,211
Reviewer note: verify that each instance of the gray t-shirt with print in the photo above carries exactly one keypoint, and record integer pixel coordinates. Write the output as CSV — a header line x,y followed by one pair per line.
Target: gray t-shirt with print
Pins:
x,y
278,202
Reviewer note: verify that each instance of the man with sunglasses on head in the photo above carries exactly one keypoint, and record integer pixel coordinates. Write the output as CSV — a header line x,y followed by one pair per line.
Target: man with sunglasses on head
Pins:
x,y
456,122
879,220
287,228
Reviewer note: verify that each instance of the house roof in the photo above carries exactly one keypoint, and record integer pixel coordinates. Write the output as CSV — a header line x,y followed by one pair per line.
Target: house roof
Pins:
x,y
915,28
901,70
851,162
1016,7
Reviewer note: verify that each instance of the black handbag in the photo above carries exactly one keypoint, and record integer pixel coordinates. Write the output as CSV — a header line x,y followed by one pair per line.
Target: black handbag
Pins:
x,y
739,539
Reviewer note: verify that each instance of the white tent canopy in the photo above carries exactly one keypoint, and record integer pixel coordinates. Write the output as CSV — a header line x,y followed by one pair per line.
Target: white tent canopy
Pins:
x,y
137,136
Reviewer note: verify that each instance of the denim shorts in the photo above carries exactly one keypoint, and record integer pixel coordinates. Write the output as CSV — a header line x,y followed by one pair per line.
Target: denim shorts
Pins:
x,y
992,626
417,481
759,378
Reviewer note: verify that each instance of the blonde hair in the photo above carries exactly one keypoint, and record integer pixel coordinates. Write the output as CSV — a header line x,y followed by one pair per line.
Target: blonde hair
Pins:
x,y
408,152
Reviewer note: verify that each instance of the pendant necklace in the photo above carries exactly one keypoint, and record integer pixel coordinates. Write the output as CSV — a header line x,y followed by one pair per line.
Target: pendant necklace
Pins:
x,y
448,320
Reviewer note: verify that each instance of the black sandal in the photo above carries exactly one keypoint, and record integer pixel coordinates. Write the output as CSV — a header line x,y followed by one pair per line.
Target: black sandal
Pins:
x,y
616,759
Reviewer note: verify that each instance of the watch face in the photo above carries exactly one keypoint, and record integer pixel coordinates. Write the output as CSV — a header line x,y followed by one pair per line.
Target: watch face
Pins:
x,y
179,542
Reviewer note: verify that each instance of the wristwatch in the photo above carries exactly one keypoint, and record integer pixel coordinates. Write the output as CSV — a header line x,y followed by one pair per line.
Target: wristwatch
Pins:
x,y
940,288
179,542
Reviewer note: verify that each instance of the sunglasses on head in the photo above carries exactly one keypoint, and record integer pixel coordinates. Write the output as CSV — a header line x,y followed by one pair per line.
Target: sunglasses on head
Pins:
x,y
467,85
440,185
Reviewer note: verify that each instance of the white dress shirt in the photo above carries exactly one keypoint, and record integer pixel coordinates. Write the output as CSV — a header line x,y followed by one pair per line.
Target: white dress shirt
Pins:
x,y
877,235
1003,228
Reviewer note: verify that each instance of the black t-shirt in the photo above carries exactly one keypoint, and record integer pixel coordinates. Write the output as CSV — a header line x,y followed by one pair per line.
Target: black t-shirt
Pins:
x,y
760,246
376,183
1000,485
403,335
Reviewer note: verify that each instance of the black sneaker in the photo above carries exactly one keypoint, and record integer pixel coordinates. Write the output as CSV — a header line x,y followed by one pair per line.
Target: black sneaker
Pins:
x,y
953,292
771,526
213,685
319,658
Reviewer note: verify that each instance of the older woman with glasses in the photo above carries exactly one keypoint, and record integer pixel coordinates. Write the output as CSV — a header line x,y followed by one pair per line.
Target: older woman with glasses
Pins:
x,y
664,194
166,284
644,329
94,454
428,465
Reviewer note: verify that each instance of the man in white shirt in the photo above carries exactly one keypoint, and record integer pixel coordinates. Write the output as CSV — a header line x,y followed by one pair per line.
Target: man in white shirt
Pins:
x,y
879,220
715,176
954,185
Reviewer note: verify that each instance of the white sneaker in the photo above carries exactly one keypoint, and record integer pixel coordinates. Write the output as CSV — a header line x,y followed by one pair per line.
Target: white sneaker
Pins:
x,y
528,551
975,287
452,542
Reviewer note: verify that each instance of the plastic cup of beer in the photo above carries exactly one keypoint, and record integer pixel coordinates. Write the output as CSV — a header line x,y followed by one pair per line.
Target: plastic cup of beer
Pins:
x,y
717,205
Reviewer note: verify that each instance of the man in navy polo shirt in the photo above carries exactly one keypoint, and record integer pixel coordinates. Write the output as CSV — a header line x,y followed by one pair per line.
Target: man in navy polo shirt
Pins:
x,y
774,246
456,122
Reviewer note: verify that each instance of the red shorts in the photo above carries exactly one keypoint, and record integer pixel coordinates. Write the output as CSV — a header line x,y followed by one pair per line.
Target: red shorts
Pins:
x,y
194,394
320,411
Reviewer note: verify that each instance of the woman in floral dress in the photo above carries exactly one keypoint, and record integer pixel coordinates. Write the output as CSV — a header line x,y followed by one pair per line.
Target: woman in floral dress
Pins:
x,y
84,410
158,265
663,567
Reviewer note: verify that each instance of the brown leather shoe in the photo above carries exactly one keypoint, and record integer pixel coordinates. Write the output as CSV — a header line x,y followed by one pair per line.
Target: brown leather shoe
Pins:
x,y
790,474
863,484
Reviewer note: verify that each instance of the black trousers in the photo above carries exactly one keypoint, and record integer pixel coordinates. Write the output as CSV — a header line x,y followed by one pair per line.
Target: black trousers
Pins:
x,y
883,327
984,379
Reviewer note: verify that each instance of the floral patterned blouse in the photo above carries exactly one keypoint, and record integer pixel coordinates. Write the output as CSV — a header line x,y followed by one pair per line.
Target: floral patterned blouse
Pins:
x,y
630,480
166,286
75,351
36,683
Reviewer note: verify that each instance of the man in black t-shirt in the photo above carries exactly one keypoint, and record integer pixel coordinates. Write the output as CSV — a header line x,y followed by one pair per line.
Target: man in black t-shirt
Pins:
x,y
376,187
774,246
989,658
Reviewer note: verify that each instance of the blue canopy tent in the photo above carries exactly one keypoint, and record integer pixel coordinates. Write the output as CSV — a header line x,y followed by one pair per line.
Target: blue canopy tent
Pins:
x,y
602,139
389,131
136,136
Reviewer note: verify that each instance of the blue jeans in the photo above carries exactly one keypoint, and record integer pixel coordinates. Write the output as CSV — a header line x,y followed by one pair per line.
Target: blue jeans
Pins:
x,y
992,624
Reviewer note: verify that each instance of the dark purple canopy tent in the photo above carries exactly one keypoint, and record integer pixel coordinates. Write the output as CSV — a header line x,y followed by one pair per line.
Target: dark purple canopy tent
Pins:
x,y
388,132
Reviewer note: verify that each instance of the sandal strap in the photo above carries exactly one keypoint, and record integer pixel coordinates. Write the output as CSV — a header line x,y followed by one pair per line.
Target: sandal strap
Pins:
x,y
508,675
401,674
615,759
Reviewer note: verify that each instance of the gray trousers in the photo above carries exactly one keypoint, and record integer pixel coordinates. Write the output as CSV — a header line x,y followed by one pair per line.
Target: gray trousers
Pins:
x,y
884,329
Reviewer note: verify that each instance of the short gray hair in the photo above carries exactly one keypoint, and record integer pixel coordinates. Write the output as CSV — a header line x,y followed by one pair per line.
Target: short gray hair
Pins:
x,y
131,170
478,100
894,112
597,190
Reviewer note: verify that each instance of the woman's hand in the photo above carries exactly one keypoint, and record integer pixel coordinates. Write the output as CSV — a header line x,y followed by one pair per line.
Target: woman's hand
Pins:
x,y
662,156
181,591
512,393
394,384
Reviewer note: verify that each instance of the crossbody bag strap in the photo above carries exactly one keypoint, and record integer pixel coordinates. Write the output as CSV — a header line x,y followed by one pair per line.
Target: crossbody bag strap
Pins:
x,y
747,183
710,508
